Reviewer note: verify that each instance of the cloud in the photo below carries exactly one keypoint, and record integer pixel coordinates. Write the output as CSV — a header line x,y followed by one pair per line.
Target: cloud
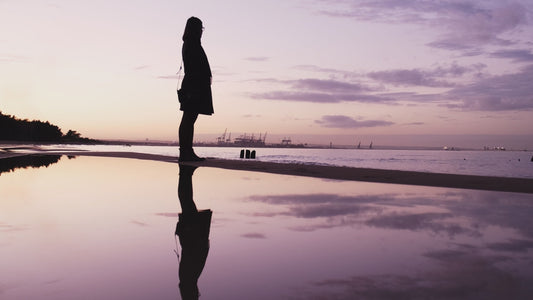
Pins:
x,y
418,77
344,86
456,275
320,97
320,205
496,93
463,25
167,214
10,228
513,245
508,92
477,210
408,77
328,85
420,221
517,55
340,121
314,68
142,224
506,210
328,210
318,198
254,235
257,58
436,77
251,116
481,26
174,77
321,91
142,67
388,11
447,255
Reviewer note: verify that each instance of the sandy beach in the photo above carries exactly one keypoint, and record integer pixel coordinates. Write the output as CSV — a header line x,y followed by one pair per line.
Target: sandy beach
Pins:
x,y
505,184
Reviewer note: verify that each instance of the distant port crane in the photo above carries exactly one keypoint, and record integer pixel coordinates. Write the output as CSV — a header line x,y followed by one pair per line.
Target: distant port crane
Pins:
x,y
243,140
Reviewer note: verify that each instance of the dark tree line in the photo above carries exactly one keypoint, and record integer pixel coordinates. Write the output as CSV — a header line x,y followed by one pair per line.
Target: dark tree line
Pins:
x,y
15,129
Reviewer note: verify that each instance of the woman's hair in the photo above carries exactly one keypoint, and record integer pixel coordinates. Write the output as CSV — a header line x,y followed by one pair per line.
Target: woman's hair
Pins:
x,y
193,29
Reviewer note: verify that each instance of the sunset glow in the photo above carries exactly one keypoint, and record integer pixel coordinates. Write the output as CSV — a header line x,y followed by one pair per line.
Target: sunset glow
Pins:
x,y
327,68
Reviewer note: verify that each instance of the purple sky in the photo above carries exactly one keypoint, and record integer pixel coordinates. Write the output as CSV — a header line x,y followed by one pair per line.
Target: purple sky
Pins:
x,y
333,69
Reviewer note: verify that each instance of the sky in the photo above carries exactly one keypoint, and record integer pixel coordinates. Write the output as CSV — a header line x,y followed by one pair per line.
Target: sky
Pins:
x,y
318,71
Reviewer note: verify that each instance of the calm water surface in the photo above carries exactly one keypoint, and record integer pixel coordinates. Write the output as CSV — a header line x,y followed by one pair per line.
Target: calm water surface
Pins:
x,y
103,228
487,163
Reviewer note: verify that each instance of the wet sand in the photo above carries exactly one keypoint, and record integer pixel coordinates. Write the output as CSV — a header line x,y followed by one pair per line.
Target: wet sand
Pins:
x,y
504,184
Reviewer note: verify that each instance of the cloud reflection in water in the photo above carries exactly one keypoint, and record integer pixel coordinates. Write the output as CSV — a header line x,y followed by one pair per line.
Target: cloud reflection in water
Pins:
x,y
472,257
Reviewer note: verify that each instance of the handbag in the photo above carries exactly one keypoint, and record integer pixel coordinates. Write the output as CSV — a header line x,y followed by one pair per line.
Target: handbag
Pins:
x,y
186,96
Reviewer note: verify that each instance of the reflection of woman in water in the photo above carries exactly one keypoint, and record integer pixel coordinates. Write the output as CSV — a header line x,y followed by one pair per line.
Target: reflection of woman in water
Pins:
x,y
195,93
193,232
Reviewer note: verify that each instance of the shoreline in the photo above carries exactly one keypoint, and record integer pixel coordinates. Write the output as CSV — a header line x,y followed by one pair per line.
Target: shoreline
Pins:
x,y
502,184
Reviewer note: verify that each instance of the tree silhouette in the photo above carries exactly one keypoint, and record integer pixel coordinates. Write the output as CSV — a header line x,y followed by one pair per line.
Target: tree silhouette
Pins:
x,y
14,129
73,134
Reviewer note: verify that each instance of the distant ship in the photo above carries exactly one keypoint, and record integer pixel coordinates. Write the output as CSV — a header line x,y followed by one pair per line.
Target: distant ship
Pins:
x,y
500,148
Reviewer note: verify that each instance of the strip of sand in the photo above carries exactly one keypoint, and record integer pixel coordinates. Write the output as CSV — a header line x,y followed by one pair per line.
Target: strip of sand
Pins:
x,y
505,184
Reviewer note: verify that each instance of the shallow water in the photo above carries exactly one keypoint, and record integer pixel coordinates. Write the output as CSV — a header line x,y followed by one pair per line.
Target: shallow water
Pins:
x,y
103,228
487,163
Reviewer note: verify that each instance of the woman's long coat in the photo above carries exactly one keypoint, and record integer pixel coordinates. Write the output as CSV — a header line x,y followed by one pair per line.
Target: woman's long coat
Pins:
x,y
196,84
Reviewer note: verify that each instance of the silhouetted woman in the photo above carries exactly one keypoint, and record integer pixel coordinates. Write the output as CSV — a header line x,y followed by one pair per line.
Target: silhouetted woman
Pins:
x,y
195,94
